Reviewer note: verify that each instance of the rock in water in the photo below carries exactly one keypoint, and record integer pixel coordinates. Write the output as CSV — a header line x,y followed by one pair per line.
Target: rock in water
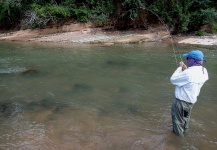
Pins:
x,y
30,71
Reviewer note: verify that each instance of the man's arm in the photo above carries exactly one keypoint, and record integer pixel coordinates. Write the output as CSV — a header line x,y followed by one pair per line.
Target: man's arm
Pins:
x,y
179,77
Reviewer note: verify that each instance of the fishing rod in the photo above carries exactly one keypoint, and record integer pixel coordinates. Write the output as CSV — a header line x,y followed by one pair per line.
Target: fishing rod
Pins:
x,y
174,46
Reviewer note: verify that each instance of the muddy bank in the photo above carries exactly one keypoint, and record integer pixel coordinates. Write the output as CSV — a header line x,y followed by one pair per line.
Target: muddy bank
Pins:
x,y
87,33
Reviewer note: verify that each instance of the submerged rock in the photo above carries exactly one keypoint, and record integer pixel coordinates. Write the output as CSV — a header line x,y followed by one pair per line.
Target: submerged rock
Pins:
x,y
10,109
47,103
50,104
4,107
133,109
30,71
117,63
78,87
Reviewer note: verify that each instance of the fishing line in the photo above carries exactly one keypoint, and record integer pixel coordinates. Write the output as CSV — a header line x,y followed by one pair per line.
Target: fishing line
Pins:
x,y
176,52
174,46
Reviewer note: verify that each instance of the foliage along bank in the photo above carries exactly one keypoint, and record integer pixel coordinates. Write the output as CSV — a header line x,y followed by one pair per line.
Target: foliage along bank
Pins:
x,y
181,15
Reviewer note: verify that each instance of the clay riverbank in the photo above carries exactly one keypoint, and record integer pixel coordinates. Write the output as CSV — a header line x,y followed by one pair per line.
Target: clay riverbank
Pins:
x,y
87,33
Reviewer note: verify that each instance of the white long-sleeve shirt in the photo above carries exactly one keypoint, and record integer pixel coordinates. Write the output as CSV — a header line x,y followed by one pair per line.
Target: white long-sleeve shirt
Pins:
x,y
189,82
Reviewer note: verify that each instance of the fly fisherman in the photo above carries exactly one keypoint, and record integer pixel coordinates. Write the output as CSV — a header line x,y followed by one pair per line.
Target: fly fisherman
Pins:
x,y
188,82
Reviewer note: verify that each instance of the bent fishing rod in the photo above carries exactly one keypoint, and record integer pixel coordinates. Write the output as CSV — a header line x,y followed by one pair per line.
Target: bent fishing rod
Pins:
x,y
174,46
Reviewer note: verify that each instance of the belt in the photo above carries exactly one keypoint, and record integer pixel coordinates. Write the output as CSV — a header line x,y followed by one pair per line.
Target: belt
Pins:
x,y
185,101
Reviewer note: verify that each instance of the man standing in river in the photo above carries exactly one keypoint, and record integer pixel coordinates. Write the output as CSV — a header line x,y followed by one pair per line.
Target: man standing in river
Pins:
x,y
188,82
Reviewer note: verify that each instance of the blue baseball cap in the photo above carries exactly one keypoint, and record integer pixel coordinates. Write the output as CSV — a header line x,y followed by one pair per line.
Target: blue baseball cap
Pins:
x,y
195,54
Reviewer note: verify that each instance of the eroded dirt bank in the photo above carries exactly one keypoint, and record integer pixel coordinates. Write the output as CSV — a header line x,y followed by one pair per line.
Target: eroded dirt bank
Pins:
x,y
87,33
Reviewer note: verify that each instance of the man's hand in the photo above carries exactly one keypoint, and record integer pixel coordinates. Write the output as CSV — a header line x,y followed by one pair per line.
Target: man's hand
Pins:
x,y
181,64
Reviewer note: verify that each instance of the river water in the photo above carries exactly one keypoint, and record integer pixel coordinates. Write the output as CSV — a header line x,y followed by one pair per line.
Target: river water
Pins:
x,y
92,97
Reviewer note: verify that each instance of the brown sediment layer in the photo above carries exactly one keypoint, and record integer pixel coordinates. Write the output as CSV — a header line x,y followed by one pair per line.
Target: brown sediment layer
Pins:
x,y
87,33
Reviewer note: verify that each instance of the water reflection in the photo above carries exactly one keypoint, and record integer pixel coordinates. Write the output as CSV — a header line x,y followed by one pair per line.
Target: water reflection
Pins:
x,y
94,97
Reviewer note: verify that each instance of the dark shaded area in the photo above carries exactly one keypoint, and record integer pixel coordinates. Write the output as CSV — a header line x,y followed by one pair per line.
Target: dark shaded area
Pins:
x,y
124,89
81,87
113,63
29,72
133,109
49,104
10,109
46,104
103,112
4,107
34,72
14,109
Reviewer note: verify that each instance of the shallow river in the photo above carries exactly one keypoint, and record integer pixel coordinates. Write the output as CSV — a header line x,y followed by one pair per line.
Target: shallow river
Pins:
x,y
71,97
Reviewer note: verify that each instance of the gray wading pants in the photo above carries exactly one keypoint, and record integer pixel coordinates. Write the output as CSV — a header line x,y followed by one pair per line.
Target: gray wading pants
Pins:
x,y
180,113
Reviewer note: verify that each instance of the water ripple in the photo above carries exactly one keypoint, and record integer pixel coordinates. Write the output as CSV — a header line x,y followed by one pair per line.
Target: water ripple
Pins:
x,y
12,70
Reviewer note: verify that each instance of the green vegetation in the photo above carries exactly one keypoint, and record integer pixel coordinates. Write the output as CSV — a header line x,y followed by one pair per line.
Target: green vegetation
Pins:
x,y
185,15
40,15
181,15
213,28
200,33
